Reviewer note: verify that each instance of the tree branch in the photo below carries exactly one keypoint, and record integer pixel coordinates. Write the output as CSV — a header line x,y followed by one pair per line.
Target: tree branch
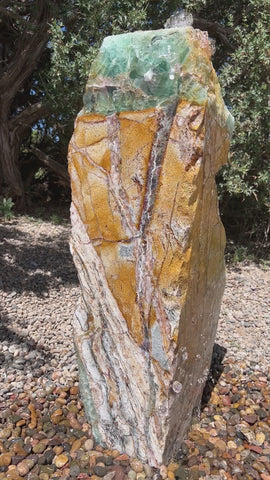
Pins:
x,y
24,120
6,3
23,63
11,14
52,165
29,48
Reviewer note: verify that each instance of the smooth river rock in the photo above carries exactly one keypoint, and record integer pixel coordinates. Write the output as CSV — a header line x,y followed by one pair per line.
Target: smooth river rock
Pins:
x,y
147,239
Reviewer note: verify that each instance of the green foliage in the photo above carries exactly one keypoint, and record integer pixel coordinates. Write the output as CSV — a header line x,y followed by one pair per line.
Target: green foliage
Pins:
x,y
244,184
40,174
56,219
6,206
33,219
237,253
40,211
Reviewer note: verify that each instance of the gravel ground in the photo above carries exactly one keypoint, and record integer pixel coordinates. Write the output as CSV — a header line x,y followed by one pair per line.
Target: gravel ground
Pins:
x,y
38,373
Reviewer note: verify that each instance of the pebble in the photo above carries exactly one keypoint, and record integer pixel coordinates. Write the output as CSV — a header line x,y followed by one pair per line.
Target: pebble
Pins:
x,y
260,438
57,416
74,390
5,459
60,460
136,465
141,476
75,470
25,466
173,466
181,473
251,419
148,470
5,433
39,447
163,471
89,444
123,459
44,476
132,475
109,476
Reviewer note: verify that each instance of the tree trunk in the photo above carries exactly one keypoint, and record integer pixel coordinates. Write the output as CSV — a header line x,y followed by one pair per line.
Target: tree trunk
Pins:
x,y
16,69
12,133
11,183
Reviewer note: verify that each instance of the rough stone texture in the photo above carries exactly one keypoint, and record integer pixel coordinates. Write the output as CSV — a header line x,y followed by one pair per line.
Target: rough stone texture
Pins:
x,y
147,239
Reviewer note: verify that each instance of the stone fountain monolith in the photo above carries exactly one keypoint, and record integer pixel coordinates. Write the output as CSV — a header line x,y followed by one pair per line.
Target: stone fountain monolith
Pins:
x,y
147,239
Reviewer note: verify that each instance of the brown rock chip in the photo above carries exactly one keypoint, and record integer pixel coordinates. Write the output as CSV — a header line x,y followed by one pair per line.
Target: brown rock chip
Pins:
x,y
251,419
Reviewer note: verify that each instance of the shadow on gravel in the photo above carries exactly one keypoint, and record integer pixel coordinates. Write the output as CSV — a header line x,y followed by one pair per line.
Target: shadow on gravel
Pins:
x,y
12,233
37,268
216,369
8,335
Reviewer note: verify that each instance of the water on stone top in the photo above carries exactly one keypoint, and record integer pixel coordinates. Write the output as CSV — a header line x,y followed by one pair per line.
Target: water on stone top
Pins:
x,y
179,19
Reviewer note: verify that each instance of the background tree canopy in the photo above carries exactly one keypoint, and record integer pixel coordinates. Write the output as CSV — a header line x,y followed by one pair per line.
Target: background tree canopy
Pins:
x,y
46,50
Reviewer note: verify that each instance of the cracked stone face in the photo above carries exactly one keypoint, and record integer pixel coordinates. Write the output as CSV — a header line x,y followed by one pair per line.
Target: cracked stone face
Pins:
x,y
147,239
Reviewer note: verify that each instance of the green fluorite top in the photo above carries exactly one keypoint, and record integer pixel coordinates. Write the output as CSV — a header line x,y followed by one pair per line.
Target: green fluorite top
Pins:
x,y
156,68
135,71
